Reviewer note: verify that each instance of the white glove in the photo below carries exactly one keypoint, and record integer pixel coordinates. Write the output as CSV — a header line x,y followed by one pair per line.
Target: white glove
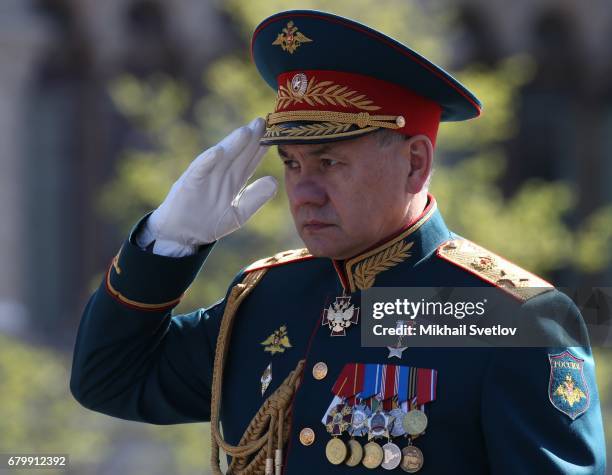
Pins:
x,y
209,200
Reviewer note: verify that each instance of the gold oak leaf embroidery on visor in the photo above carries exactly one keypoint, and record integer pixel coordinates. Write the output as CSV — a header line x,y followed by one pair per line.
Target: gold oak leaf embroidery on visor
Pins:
x,y
325,128
291,39
322,93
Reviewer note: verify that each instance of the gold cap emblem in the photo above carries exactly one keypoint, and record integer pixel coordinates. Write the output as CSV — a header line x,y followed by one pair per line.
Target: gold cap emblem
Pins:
x,y
290,38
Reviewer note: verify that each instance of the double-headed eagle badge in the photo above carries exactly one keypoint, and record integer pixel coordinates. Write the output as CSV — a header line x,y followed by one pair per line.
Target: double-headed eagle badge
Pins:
x,y
340,315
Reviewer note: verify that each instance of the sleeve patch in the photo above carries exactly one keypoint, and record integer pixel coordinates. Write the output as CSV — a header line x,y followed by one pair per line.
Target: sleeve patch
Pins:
x,y
568,390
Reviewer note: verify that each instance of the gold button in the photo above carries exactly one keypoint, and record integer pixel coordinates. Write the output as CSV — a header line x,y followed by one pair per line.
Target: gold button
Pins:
x,y
319,370
307,436
400,121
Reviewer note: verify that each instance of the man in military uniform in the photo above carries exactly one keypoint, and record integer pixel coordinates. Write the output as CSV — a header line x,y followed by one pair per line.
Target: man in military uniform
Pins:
x,y
279,362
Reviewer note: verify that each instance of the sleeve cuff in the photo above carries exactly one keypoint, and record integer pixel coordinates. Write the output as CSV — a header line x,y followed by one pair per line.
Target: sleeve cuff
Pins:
x,y
147,281
145,239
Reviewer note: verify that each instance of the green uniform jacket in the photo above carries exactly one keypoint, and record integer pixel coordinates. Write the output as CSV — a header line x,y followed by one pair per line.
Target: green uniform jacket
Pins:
x,y
496,411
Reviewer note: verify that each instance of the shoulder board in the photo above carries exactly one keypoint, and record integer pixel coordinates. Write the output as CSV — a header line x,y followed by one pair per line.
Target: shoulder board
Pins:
x,y
493,269
284,257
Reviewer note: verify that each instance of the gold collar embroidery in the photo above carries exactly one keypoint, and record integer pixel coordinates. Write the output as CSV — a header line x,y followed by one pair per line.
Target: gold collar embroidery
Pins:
x,y
361,270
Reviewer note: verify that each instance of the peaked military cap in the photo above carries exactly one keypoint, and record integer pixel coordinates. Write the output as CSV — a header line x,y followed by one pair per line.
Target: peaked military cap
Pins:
x,y
337,79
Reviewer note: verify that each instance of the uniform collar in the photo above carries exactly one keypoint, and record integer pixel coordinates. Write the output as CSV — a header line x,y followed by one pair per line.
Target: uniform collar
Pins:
x,y
407,247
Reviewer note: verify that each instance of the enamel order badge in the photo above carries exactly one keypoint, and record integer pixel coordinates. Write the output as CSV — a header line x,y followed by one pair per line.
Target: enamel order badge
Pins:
x,y
568,390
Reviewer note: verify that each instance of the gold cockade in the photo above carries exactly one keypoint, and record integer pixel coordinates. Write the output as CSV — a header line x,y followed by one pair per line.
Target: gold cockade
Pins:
x,y
323,93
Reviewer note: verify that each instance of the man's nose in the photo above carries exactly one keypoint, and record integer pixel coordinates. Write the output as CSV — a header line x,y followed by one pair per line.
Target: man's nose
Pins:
x,y
307,192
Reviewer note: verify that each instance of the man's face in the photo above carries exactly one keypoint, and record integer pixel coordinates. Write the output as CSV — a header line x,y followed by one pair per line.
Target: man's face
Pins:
x,y
346,196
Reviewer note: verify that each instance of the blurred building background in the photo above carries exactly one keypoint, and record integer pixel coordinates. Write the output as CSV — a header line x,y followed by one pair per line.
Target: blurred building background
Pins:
x,y
61,135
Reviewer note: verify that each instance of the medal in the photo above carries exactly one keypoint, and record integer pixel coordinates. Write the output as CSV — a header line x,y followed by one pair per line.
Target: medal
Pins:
x,y
415,422
397,350
355,451
389,391
339,419
372,455
340,315
346,388
392,456
412,459
266,379
378,425
359,422
336,451
397,426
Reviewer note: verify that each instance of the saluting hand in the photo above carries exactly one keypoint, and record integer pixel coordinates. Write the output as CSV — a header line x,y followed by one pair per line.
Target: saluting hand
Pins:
x,y
209,200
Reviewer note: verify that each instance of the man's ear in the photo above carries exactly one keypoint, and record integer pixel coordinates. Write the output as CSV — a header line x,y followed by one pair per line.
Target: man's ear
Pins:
x,y
419,151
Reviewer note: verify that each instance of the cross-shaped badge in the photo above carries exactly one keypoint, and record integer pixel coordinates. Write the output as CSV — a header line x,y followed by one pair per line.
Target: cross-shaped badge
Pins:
x,y
340,315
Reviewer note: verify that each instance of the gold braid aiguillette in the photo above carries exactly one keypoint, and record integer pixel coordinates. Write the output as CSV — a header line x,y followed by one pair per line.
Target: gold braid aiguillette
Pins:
x,y
255,452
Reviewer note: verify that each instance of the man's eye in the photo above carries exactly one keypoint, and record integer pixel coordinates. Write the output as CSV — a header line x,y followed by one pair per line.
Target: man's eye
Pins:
x,y
291,164
328,162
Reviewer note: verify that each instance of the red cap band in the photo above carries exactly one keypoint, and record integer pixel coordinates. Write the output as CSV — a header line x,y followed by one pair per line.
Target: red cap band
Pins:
x,y
320,90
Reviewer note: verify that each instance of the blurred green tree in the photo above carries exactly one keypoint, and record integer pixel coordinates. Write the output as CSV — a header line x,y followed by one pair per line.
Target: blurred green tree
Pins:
x,y
39,416
37,413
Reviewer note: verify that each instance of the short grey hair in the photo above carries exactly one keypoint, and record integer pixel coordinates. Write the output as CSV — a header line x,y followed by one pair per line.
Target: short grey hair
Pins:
x,y
386,137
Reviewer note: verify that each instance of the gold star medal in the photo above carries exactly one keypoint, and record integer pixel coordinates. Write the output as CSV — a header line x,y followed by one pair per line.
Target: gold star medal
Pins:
x,y
397,350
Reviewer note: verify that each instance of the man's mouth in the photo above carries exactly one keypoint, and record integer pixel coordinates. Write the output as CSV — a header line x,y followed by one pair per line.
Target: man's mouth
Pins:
x,y
315,225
